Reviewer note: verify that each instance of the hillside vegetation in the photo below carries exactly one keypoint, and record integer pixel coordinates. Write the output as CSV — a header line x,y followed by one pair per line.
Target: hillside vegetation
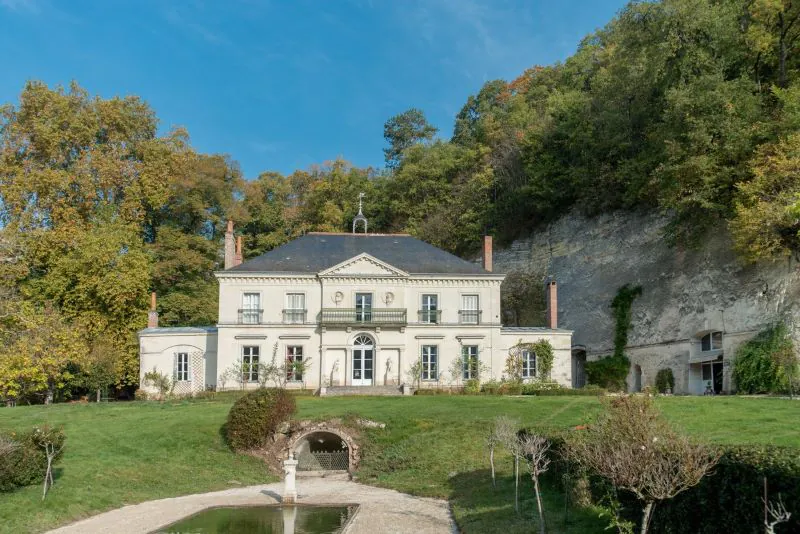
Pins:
x,y
690,107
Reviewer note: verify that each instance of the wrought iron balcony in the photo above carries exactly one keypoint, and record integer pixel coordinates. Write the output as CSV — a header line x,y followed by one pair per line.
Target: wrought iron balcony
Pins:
x,y
294,316
430,316
250,316
360,316
469,316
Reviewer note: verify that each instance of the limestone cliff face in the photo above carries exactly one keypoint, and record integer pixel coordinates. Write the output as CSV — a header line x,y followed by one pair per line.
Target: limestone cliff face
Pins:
x,y
685,291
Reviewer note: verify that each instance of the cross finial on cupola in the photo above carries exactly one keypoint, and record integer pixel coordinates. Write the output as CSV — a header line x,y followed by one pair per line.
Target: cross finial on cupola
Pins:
x,y
360,217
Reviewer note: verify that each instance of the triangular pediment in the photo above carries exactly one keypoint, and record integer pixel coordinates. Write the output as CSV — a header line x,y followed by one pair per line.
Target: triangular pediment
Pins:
x,y
364,265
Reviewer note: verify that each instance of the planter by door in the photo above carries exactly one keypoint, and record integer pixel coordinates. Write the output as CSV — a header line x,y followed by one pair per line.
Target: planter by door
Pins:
x,y
363,361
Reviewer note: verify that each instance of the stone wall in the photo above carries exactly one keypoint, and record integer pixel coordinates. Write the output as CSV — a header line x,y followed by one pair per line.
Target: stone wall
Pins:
x,y
686,292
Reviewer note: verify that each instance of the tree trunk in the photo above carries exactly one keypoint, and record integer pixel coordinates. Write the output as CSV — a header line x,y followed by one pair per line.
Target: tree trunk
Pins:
x,y
646,515
491,463
539,503
98,394
516,483
48,398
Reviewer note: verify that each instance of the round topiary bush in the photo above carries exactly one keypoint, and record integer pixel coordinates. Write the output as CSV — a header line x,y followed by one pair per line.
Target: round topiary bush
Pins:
x,y
665,380
254,418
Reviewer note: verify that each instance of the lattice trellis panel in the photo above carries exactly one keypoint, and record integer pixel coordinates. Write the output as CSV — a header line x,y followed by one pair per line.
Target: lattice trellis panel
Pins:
x,y
197,383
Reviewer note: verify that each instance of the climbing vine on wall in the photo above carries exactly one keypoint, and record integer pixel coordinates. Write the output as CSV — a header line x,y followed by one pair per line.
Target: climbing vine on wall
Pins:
x,y
543,351
610,372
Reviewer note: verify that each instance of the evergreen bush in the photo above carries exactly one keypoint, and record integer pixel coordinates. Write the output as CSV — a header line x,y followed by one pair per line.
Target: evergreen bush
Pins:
x,y
254,418
665,380
759,365
23,461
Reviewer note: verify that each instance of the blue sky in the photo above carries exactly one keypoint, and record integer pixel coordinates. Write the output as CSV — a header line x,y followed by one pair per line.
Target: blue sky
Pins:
x,y
281,85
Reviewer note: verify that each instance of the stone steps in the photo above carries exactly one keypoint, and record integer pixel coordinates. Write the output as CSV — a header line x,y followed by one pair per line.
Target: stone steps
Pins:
x,y
384,391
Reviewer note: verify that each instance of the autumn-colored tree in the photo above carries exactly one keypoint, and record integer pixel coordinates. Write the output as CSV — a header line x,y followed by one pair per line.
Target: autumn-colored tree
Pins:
x,y
404,130
38,360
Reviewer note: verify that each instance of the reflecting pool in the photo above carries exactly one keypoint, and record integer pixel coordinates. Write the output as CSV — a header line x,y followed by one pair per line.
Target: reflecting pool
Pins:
x,y
264,520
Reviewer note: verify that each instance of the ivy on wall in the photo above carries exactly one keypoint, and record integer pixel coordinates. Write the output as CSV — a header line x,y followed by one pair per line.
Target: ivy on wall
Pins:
x,y
610,372
543,351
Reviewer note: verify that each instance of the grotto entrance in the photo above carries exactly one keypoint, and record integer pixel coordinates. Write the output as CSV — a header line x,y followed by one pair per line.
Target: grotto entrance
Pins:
x,y
322,452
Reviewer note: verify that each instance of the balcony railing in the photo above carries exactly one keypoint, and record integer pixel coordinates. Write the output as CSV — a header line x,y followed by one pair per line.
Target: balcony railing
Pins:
x,y
249,316
469,316
430,316
353,316
294,316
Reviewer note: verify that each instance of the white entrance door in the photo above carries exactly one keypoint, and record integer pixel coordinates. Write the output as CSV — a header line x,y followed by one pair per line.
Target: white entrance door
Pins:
x,y
363,360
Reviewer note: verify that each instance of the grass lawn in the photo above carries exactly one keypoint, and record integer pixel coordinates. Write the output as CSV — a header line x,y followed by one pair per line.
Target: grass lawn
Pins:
x,y
124,453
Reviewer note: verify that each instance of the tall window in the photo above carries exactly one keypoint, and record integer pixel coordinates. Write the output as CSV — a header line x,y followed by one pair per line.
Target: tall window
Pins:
x,y
430,362
364,307
250,363
470,312
295,308
294,360
711,341
469,357
182,367
430,309
528,364
251,308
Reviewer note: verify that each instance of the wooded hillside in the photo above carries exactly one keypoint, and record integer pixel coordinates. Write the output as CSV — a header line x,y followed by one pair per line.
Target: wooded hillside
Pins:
x,y
690,107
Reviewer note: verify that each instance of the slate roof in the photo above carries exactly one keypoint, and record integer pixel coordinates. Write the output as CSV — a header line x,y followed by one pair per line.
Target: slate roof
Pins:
x,y
315,252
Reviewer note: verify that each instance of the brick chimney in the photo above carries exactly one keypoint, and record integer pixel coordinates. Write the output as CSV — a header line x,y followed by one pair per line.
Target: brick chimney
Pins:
x,y
230,247
552,304
152,316
487,253
237,258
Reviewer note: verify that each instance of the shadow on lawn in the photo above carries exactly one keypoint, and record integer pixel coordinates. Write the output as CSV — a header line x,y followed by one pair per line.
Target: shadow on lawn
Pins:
x,y
479,507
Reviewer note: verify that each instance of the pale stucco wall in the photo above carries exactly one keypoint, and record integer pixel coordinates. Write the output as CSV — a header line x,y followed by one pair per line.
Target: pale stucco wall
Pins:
x,y
157,349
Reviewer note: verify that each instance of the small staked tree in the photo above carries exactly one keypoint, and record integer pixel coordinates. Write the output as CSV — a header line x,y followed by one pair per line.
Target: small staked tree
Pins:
x,y
635,448
100,367
535,449
506,434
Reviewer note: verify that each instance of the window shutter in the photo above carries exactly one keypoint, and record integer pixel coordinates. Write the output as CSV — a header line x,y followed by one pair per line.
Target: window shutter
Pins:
x,y
174,367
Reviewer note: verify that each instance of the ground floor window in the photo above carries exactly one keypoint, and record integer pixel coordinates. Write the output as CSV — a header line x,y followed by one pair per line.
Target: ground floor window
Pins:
x,y
469,360
430,360
182,367
250,356
294,363
528,364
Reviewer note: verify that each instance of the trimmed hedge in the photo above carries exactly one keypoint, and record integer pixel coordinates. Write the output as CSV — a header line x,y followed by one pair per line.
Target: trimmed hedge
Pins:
x,y
730,499
26,463
255,417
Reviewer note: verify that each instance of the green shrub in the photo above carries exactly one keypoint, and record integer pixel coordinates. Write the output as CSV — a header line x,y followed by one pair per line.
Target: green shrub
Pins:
x,y
431,392
472,387
730,499
553,389
24,461
491,387
512,387
254,418
609,372
665,380
757,367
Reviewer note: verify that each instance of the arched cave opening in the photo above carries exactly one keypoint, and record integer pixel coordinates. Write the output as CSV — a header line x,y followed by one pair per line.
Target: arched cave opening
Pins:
x,y
322,451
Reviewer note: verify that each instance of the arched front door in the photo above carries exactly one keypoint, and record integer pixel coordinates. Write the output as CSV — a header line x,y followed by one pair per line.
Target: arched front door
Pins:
x,y
363,360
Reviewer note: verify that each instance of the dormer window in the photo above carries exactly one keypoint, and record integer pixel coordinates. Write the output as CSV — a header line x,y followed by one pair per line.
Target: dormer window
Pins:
x,y
711,341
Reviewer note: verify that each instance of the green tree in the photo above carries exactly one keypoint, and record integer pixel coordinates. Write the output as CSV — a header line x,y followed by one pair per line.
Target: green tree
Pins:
x,y
404,130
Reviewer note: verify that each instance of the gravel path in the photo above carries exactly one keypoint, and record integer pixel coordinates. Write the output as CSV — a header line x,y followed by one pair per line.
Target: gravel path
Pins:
x,y
380,510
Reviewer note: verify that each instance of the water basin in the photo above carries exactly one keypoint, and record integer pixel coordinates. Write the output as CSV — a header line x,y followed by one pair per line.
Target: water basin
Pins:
x,y
264,520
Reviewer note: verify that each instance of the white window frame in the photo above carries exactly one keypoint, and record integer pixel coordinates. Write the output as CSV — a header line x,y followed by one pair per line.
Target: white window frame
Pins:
x,y
711,344
291,356
294,311
182,373
466,313
427,309
249,367
529,364
469,370
429,359
365,314
251,314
